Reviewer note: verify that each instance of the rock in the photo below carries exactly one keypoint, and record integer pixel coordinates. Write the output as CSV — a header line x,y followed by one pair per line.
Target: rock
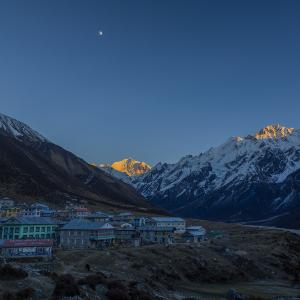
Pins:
x,y
232,294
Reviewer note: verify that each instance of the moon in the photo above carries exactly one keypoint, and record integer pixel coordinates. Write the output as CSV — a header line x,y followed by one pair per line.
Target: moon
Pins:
x,y
99,33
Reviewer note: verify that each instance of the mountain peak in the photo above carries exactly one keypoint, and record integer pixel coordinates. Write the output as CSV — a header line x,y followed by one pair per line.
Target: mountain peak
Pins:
x,y
131,166
274,131
19,130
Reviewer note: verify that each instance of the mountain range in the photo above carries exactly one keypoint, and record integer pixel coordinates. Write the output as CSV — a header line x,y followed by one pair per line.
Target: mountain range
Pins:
x,y
32,167
254,179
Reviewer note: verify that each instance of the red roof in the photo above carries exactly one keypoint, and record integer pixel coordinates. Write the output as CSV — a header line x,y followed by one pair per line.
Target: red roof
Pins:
x,y
26,243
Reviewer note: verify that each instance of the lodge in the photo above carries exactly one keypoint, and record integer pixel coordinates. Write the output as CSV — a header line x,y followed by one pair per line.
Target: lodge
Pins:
x,y
26,248
172,222
80,233
15,228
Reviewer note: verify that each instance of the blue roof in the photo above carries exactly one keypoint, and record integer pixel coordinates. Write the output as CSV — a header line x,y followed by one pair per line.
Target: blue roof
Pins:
x,y
30,221
168,219
155,228
79,224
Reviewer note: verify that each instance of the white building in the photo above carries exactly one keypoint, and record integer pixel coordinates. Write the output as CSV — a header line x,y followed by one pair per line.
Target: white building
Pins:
x,y
171,222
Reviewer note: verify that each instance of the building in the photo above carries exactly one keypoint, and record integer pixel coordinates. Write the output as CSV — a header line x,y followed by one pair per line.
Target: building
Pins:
x,y
155,234
126,234
80,233
123,217
194,234
8,211
26,248
37,210
97,216
15,228
138,221
78,212
6,202
171,222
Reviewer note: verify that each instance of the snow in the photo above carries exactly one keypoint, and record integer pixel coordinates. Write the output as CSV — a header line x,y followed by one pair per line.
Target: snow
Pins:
x,y
231,162
19,130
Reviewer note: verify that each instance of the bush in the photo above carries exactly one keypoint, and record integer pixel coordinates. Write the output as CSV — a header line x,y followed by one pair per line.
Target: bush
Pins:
x,y
23,294
8,272
66,286
93,280
116,284
136,294
117,294
7,296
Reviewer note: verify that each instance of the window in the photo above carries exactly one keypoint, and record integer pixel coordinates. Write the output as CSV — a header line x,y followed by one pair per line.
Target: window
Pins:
x,y
17,229
5,230
31,235
48,229
37,236
25,229
37,229
31,229
43,229
42,235
24,236
11,230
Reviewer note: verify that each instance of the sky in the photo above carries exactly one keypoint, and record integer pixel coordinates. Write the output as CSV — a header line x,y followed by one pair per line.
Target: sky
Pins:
x,y
167,78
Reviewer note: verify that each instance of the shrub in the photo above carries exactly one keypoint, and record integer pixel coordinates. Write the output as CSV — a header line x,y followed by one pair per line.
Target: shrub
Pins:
x,y
115,284
67,286
136,294
25,294
8,272
7,296
93,280
117,294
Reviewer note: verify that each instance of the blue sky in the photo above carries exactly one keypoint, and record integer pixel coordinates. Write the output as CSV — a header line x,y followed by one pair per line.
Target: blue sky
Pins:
x,y
168,78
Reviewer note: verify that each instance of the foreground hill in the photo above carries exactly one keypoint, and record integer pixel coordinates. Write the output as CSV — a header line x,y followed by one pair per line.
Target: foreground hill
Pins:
x,y
33,167
259,263
245,179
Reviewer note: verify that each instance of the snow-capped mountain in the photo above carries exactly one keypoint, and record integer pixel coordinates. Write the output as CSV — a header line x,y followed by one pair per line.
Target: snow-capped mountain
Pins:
x,y
125,169
19,130
246,178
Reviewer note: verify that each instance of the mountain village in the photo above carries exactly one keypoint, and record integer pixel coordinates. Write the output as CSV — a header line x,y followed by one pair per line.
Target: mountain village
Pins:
x,y
35,230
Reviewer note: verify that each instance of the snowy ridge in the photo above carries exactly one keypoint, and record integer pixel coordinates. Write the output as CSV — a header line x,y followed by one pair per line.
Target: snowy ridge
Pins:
x,y
19,130
269,156
111,171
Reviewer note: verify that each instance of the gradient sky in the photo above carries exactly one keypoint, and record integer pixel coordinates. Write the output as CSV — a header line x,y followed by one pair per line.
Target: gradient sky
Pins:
x,y
168,78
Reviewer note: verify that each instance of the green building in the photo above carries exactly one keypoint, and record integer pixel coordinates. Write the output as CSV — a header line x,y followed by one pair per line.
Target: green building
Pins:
x,y
15,228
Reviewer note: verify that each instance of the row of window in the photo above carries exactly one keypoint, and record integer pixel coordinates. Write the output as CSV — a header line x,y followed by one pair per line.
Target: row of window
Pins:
x,y
26,229
92,232
30,236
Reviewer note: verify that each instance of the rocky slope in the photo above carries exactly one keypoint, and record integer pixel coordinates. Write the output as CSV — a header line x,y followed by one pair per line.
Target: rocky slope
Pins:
x,y
32,167
247,178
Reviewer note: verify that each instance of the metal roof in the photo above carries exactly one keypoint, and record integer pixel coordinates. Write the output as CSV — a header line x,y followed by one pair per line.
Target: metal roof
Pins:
x,y
30,221
167,219
155,228
79,224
